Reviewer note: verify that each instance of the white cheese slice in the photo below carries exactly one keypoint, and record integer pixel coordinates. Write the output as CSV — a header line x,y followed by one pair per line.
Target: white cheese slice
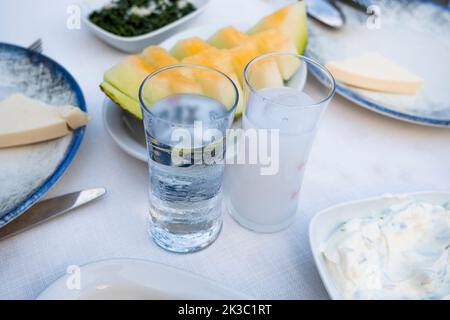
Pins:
x,y
24,121
373,71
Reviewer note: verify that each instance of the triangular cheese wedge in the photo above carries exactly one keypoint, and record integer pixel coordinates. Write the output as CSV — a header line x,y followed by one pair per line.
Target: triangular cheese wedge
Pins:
x,y
373,71
24,121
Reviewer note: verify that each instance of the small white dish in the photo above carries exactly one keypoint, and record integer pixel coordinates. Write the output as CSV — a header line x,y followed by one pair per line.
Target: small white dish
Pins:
x,y
122,136
327,221
126,279
137,43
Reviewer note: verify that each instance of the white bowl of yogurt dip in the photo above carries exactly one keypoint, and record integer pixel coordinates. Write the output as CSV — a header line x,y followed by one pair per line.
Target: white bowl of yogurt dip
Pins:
x,y
389,247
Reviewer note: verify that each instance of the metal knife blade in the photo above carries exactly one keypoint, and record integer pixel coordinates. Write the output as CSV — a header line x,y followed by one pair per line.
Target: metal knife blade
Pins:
x,y
49,209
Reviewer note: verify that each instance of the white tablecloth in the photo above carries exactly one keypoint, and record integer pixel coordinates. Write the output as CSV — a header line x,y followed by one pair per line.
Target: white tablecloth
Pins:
x,y
357,154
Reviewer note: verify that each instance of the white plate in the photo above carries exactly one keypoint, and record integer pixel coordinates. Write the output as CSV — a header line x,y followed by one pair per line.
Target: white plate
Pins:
x,y
112,113
327,221
122,136
413,33
136,279
136,44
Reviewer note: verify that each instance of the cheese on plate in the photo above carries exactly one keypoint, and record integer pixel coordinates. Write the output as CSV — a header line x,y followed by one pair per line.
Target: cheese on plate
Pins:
x,y
373,71
24,120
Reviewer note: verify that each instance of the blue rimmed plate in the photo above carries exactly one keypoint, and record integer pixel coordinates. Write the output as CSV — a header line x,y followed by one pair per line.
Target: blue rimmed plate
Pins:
x,y
414,34
28,172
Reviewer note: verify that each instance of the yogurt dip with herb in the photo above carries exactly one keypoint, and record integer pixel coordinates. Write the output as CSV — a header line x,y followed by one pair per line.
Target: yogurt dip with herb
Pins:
x,y
129,18
402,252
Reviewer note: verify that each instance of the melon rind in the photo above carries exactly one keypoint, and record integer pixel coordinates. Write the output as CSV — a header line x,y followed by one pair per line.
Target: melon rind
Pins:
x,y
125,102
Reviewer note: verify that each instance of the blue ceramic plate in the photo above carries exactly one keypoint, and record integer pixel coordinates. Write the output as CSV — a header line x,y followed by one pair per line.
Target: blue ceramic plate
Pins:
x,y
414,34
28,172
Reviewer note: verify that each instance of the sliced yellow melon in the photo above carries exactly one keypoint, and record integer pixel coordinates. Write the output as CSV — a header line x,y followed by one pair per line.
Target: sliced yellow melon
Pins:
x,y
182,81
273,40
128,75
290,20
228,37
159,88
188,47
122,81
170,82
158,57
124,101
220,60
264,73
216,86
217,59
241,56
214,58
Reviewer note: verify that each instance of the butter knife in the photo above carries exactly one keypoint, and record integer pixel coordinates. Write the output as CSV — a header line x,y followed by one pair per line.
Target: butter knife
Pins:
x,y
48,209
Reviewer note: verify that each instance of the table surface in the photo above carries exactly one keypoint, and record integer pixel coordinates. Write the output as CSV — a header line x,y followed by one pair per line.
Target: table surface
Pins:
x,y
357,154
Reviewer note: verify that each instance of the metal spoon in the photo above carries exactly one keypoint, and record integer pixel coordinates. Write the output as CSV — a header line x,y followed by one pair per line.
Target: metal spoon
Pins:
x,y
325,12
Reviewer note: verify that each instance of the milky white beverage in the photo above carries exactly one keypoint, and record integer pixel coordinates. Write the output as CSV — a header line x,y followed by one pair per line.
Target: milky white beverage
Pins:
x,y
268,202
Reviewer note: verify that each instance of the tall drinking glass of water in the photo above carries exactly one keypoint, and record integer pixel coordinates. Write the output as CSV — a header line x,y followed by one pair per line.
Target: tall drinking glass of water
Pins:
x,y
187,110
286,95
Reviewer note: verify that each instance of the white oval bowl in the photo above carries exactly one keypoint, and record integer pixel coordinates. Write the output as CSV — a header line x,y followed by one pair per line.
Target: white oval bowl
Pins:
x,y
324,223
137,43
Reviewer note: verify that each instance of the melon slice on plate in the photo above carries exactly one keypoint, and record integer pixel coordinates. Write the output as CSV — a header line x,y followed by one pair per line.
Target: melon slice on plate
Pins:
x,y
183,81
273,40
173,81
126,77
170,82
264,73
158,57
228,37
215,58
290,20
241,56
220,60
216,86
188,47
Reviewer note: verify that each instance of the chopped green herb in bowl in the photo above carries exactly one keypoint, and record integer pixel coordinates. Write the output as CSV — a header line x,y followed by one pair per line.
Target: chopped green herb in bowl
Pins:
x,y
129,18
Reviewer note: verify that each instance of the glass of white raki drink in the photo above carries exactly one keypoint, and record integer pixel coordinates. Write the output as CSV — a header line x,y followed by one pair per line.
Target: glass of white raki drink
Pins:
x,y
285,96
